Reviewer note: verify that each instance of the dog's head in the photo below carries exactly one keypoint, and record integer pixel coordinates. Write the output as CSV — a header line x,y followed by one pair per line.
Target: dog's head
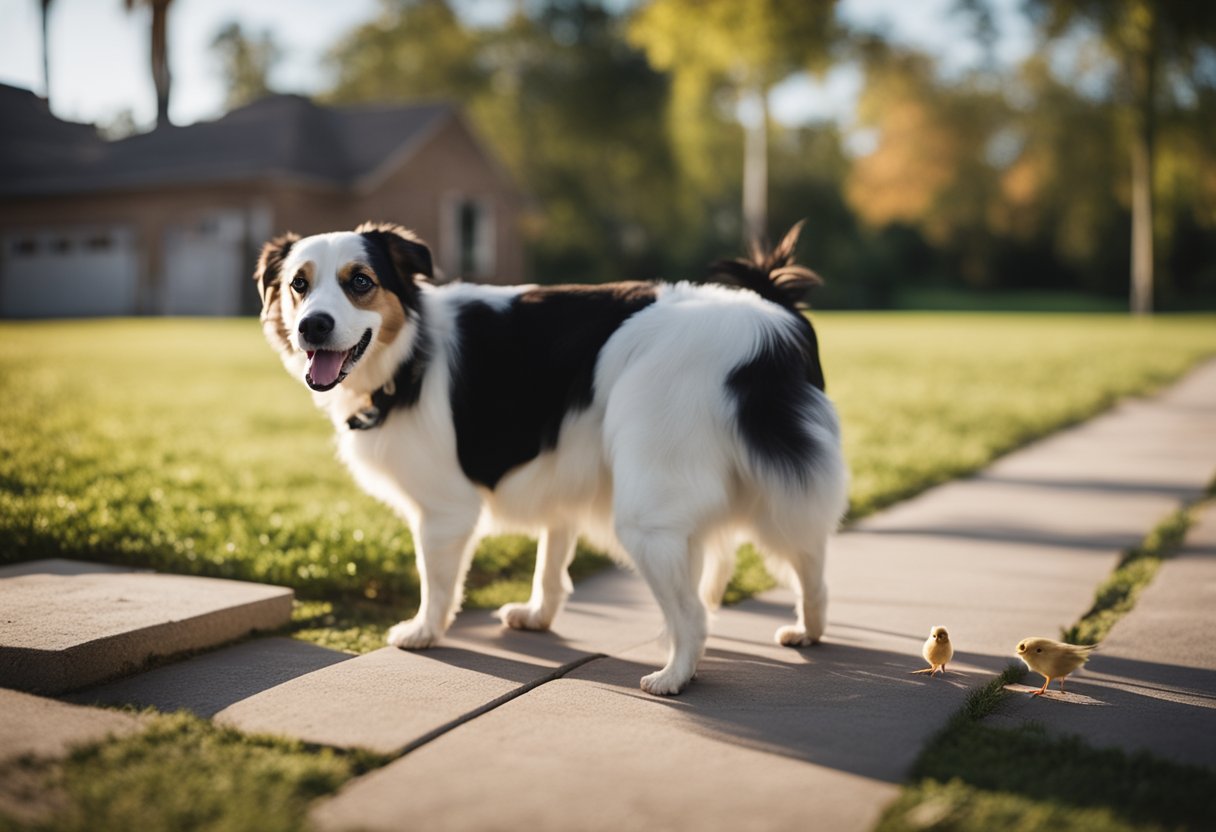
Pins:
x,y
335,302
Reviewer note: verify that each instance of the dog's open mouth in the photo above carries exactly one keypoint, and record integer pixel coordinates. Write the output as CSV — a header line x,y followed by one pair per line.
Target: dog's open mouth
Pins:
x,y
327,368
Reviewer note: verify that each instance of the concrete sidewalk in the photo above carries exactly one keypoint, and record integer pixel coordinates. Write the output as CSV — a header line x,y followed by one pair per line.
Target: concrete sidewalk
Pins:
x,y
504,729
1152,684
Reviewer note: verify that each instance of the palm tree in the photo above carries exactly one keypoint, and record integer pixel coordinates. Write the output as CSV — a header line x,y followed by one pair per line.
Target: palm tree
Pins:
x,y
46,60
160,53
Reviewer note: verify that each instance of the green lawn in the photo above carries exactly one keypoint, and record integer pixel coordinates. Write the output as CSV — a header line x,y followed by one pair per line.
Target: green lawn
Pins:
x,y
183,445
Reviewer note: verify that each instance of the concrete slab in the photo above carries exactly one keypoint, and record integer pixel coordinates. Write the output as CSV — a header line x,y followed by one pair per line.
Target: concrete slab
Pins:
x,y
594,753
66,628
207,684
769,737
1152,684
382,701
37,727
389,699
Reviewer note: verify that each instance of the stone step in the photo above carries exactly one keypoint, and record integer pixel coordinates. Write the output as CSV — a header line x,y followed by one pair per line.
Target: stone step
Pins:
x,y
389,699
67,625
46,728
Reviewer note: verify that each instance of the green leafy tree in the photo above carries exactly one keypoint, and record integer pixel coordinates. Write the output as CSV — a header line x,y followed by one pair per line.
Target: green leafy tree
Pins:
x,y
937,161
711,47
414,49
1156,48
574,111
245,63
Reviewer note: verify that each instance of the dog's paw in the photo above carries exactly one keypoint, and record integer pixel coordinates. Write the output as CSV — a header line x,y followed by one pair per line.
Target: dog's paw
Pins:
x,y
665,682
794,636
411,635
522,617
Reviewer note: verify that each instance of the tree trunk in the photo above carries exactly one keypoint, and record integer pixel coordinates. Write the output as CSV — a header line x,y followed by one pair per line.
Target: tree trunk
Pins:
x,y
755,172
46,52
160,59
1144,85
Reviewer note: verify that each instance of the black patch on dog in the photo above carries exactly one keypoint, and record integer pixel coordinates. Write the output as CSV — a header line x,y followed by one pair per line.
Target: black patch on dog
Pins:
x,y
772,395
396,256
520,370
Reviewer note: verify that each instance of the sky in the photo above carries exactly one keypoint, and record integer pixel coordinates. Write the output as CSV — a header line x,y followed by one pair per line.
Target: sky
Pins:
x,y
99,51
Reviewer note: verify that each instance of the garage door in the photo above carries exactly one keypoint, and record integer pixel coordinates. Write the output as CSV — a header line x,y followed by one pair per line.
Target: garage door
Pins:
x,y
74,272
205,266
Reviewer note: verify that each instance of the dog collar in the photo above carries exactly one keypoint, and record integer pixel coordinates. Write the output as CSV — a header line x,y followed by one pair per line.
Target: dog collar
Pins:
x,y
402,390
374,415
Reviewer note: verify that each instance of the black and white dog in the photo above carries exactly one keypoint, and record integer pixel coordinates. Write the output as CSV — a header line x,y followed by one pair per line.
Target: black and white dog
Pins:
x,y
665,422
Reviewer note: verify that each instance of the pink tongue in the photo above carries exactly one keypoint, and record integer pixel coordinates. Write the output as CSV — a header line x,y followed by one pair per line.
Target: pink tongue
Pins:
x,y
325,366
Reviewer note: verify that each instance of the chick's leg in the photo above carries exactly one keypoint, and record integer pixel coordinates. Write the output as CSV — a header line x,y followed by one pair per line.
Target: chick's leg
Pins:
x,y
1043,689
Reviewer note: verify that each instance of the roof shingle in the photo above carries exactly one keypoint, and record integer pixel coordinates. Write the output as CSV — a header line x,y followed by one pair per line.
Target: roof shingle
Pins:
x,y
281,136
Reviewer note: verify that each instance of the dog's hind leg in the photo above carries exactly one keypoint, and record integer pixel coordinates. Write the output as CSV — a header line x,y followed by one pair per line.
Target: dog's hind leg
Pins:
x,y
666,560
807,564
718,568
443,552
550,582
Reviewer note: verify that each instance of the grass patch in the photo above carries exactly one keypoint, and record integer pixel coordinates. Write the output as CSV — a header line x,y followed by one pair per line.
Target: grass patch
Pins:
x,y
975,777
182,772
181,445
1136,570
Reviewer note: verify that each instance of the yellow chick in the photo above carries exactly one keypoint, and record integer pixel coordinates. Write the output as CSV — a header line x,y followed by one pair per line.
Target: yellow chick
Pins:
x,y
937,651
1052,659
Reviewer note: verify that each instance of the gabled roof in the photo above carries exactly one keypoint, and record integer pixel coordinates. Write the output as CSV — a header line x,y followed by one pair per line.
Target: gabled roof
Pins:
x,y
31,139
278,137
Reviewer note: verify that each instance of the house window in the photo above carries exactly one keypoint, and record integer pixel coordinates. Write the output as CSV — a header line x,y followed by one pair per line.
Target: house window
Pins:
x,y
471,241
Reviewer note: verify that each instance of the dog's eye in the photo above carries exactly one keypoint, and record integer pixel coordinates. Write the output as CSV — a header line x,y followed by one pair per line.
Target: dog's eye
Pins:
x,y
299,285
361,284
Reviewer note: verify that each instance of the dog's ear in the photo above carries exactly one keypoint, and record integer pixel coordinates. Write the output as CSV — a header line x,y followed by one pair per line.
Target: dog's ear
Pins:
x,y
269,275
408,253
270,264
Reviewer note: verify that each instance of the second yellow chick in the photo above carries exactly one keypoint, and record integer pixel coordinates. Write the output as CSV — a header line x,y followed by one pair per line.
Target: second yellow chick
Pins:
x,y
1052,659
937,651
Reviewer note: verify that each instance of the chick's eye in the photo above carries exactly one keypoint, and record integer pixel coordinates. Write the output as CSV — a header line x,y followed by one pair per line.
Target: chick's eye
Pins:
x,y
361,284
299,285
1038,649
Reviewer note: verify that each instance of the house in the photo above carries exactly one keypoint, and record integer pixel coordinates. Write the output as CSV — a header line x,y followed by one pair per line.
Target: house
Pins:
x,y
170,222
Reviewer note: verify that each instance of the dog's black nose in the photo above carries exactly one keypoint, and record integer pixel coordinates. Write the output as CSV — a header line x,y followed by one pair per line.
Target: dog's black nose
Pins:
x,y
316,328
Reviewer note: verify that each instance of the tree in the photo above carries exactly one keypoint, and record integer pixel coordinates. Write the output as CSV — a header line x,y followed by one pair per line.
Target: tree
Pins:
x,y
573,110
413,50
246,63
933,167
159,53
1156,47
46,49
746,48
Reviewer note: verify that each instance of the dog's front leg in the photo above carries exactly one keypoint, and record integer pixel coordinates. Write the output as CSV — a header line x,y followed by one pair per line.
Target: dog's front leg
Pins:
x,y
550,582
443,551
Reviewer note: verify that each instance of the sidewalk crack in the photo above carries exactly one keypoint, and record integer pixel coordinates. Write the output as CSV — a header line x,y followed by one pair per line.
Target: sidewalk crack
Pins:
x,y
555,674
